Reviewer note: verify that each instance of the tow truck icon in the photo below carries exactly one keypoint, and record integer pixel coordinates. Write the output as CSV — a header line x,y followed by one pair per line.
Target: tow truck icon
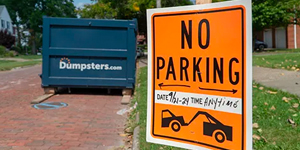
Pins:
x,y
213,127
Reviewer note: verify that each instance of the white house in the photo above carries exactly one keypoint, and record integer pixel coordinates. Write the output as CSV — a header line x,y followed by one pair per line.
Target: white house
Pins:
x,y
5,20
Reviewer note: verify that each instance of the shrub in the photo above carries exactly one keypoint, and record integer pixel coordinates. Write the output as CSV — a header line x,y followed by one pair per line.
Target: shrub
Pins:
x,y
9,54
2,50
15,53
28,49
17,49
144,47
7,39
5,53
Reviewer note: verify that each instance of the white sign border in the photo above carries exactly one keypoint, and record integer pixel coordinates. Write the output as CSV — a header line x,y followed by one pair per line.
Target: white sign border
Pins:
x,y
248,6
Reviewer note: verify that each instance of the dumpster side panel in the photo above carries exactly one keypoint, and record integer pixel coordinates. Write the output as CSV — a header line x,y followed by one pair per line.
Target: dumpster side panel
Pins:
x,y
45,64
88,53
88,37
131,58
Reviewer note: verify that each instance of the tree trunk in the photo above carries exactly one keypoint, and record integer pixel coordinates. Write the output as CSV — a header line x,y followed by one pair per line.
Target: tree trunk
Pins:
x,y
19,36
33,46
33,50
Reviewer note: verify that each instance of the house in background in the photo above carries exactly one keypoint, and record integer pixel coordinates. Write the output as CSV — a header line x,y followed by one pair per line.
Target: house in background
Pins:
x,y
280,37
5,20
293,36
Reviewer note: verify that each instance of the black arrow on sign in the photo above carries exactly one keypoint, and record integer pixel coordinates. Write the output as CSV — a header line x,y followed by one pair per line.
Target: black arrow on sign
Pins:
x,y
162,85
233,90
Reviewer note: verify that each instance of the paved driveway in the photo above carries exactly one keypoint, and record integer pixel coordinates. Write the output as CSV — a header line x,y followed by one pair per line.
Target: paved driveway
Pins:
x,y
90,121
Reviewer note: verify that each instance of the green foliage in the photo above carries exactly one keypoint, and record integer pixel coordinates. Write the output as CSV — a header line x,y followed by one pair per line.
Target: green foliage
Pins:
x,y
123,8
17,49
147,4
273,13
126,9
171,3
6,38
19,12
2,50
50,8
99,10
16,8
37,38
5,53
9,54
107,9
142,15
218,1
143,46
29,13
270,13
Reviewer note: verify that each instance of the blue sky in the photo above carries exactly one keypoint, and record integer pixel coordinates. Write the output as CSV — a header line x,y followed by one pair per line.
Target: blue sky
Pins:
x,y
80,3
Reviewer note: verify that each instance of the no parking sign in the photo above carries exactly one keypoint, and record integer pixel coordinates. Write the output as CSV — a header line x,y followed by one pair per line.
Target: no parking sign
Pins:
x,y
200,76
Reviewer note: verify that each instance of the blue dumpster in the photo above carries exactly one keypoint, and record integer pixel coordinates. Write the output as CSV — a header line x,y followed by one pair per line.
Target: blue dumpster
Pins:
x,y
89,53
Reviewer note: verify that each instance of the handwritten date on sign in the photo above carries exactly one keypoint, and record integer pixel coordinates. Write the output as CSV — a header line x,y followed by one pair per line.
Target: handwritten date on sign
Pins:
x,y
203,101
173,99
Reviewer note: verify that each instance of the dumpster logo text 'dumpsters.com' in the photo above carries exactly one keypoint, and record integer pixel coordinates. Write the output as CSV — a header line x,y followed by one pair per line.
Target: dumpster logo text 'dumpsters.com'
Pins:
x,y
65,63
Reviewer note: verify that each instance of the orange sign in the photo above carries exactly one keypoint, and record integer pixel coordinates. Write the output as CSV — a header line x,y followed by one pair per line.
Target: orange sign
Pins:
x,y
199,76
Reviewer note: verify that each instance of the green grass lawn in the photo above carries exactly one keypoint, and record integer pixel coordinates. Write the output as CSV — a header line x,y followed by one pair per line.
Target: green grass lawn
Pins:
x,y
278,51
141,99
8,65
30,56
280,61
271,111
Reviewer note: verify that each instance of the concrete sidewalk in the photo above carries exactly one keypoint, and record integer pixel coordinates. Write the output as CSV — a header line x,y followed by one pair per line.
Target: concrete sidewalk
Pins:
x,y
284,80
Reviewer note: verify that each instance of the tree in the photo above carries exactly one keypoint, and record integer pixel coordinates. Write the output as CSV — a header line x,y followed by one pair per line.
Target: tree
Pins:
x,y
6,39
16,7
270,13
141,15
146,4
171,3
99,10
122,8
273,13
51,8
29,13
126,9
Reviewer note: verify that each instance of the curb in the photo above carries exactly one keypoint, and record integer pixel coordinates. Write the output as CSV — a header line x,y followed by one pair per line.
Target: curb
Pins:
x,y
136,132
